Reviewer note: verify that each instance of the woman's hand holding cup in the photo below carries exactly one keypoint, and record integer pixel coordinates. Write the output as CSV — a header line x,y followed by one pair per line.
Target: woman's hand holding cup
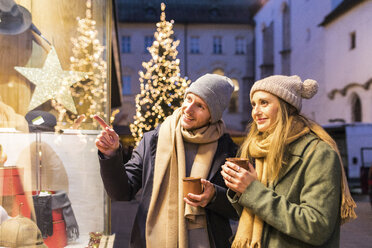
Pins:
x,y
238,174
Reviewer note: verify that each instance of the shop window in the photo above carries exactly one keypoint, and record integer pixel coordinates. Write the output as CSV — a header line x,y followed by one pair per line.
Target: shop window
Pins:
x,y
53,70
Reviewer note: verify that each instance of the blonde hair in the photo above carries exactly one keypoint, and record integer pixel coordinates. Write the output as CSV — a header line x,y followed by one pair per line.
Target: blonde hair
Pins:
x,y
279,133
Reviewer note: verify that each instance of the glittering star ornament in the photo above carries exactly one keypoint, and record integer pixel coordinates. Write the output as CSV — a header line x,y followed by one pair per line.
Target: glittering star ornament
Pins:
x,y
52,82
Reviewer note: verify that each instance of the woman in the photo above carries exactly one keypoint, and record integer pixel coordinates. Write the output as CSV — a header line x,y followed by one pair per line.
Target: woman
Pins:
x,y
297,194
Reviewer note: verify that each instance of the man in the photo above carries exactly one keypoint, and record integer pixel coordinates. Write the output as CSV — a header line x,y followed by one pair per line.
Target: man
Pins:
x,y
190,142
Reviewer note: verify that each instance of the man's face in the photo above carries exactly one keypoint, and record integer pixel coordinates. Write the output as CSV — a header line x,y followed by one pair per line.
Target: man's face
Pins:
x,y
195,112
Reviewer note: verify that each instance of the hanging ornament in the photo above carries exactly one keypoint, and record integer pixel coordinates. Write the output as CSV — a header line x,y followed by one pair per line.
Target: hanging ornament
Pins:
x,y
52,82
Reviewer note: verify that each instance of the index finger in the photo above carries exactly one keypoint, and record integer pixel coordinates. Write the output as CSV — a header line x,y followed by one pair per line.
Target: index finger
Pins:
x,y
101,121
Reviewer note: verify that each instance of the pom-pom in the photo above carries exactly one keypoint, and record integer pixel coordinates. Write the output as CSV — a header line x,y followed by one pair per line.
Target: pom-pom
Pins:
x,y
309,88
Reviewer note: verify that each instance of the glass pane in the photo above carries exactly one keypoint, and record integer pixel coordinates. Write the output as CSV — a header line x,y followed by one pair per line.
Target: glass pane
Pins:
x,y
53,79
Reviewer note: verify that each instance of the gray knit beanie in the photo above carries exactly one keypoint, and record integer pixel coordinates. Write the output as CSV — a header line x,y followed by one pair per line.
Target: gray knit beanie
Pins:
x,y
289,88
215,90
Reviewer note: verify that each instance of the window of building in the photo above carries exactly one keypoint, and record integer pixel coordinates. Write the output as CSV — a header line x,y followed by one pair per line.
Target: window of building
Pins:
x,y
286,40
150,12
126,87
148,42
217,45
125,44
240,45
219,71
352,40
267,67
234,100
356,109
194,44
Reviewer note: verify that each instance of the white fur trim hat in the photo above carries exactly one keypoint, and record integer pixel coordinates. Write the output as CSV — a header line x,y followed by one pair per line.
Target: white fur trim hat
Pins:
x,y
289,88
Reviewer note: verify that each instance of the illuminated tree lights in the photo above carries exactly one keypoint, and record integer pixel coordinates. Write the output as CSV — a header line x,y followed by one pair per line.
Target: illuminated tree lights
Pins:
x,y
89,94
162,87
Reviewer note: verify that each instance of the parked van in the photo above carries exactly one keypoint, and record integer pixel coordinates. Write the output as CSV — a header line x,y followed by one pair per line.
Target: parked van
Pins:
x,y
355,144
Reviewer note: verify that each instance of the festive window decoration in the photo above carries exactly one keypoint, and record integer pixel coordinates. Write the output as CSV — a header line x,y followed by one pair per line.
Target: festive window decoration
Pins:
x,y
51,82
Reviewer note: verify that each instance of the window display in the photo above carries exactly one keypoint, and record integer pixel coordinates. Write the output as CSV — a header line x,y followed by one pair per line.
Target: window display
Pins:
x,y
53,79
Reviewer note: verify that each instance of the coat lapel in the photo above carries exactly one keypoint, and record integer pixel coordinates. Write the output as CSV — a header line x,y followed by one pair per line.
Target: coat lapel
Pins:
x,y
296,152
218,160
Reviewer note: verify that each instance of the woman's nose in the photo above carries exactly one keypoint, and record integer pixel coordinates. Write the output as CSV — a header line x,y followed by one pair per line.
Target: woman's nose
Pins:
x,y
256,110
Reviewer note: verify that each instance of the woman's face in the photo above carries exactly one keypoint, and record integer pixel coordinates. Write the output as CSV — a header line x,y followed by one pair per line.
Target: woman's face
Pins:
x,y
265,108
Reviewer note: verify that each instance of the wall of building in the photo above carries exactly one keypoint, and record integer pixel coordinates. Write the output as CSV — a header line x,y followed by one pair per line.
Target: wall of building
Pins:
x,y
308,52
235,66
307,47
349,69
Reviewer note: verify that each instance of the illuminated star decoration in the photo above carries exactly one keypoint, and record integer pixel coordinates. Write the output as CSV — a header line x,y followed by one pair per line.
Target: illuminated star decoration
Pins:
x,y
52,82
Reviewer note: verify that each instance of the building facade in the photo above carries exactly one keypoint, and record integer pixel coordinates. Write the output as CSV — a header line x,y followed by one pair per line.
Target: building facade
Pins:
x,y
328,41
215,37
323,40
348,62
289,42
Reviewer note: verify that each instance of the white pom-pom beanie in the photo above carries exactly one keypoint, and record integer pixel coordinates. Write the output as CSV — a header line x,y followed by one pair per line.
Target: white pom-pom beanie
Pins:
x,y
289,88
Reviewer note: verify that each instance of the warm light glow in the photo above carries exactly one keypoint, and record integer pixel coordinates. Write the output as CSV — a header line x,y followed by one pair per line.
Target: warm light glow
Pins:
x,y
161,85
90,94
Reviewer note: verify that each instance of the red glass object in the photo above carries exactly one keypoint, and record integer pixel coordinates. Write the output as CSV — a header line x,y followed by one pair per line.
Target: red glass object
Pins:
x,y
59,237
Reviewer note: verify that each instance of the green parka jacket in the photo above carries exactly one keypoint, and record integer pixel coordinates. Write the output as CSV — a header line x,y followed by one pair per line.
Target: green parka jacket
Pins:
x,y
302,207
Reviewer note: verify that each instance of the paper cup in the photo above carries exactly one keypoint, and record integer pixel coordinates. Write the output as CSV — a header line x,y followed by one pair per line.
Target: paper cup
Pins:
x,y
192,185
242,162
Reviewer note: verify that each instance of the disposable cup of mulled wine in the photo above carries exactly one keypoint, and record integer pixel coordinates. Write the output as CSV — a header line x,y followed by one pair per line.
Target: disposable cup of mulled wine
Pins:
x,y
242,162
192,185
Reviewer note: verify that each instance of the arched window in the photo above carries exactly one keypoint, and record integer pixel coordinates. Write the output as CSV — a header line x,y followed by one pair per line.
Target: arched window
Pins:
x,y
356,108
219,71
234,102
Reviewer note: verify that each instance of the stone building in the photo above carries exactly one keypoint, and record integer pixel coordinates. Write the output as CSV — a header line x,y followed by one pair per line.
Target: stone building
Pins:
x,y
328,41
215,37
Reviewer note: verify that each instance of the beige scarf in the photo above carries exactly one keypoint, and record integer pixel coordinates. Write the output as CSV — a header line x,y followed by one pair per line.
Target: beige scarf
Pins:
x,y
168,219
250,227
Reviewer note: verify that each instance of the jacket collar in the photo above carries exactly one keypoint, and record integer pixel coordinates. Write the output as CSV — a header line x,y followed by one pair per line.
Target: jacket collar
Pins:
x,y
296,151
218,160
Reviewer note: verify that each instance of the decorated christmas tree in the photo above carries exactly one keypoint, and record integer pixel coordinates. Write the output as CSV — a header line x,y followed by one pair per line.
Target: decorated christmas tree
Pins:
x,y
90,94
162,87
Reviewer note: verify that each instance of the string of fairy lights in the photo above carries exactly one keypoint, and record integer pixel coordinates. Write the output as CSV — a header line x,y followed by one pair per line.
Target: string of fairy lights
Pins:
x,y
90,94
161,86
